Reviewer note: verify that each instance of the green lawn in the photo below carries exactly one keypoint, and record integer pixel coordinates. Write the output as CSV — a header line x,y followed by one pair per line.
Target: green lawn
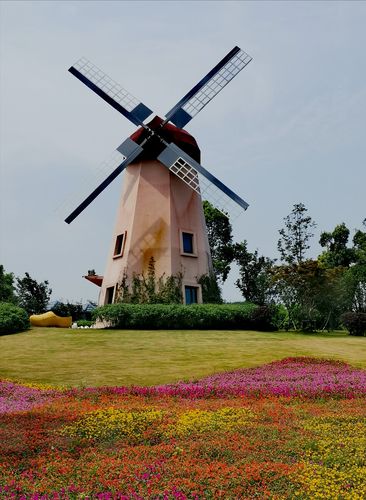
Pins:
x,y
119,357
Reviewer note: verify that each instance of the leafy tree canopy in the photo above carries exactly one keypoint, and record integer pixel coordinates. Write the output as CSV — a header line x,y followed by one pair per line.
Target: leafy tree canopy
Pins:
x,y
7,289
33,296
311,293
359,242
295,236
255,274
220,239
354,285
337,252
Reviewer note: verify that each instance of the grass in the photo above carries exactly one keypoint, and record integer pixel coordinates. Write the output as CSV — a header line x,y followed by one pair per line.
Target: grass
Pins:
x,y
122,357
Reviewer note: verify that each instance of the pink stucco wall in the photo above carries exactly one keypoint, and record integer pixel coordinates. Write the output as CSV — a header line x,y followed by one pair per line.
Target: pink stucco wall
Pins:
x,y
155,207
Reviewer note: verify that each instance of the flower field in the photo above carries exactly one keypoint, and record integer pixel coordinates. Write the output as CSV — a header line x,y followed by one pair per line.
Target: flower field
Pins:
x,y
289,429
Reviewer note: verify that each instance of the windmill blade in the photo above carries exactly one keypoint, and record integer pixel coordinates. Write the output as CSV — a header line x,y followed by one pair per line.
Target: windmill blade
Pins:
x,y
201,180
109,90
208,87
133,150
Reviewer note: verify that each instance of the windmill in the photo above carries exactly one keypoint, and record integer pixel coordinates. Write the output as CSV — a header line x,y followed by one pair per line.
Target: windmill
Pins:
x,y
160,213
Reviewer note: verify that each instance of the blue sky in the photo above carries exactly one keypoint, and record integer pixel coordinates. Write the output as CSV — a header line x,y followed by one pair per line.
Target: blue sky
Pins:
x,y
289,128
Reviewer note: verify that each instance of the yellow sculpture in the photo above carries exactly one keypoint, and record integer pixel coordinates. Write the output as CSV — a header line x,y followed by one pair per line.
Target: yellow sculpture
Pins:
x,y
50,319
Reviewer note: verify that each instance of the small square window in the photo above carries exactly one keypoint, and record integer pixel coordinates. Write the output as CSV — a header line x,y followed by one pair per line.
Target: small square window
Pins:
x,y
187,240
119,246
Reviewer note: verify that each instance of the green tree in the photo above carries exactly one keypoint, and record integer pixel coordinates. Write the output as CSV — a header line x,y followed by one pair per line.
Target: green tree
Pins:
x,y
312,294
7,289
295,236
331,297
359,245
354,288
220,239
255,279
33,296
355,276
211,292
68,309
294,288
350,263
337,252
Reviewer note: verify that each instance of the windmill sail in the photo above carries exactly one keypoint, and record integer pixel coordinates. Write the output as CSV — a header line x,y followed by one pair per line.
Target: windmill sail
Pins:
x,y
133,151
109,90
174,158
160,214
210,85
208,186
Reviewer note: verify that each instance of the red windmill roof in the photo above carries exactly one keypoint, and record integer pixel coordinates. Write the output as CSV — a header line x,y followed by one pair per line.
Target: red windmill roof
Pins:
x,y
170,133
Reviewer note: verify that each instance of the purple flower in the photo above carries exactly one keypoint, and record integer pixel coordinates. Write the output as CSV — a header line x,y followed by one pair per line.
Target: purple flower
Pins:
x,y
15,397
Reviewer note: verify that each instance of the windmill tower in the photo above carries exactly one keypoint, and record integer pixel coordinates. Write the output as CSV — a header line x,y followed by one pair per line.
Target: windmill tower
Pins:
x,y
160,213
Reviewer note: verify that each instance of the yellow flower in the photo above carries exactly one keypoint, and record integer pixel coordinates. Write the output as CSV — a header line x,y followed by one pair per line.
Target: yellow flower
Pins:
x,y
112,422
334,466
201,421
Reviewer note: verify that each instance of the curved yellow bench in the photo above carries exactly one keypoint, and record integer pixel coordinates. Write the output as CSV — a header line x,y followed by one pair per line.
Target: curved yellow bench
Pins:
x,y
50,319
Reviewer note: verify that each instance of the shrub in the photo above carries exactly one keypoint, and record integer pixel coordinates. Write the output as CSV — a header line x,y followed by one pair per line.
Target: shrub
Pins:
x,y
354,322
68,309
263,318
12,318
280,317
211,293
307,319
149,289
177,316
76,310
84,322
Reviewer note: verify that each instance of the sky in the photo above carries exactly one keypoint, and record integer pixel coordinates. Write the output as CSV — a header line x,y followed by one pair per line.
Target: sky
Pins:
x,y
289,128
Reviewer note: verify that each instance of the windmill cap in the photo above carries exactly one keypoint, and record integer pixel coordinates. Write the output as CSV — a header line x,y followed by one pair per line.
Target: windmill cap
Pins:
x,y
170,133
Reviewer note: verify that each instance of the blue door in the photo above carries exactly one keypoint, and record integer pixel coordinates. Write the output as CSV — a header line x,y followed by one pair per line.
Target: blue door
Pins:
x,y
191,294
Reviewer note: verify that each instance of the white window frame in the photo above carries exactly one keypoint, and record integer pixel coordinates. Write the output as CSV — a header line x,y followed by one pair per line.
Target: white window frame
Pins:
x,y
119,255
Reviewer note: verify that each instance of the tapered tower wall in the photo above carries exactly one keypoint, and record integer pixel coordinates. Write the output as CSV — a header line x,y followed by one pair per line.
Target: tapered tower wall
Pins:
x,y
155,209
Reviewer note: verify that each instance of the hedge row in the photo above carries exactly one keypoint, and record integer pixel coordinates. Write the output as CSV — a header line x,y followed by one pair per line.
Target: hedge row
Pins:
x,y
12,318
180,317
